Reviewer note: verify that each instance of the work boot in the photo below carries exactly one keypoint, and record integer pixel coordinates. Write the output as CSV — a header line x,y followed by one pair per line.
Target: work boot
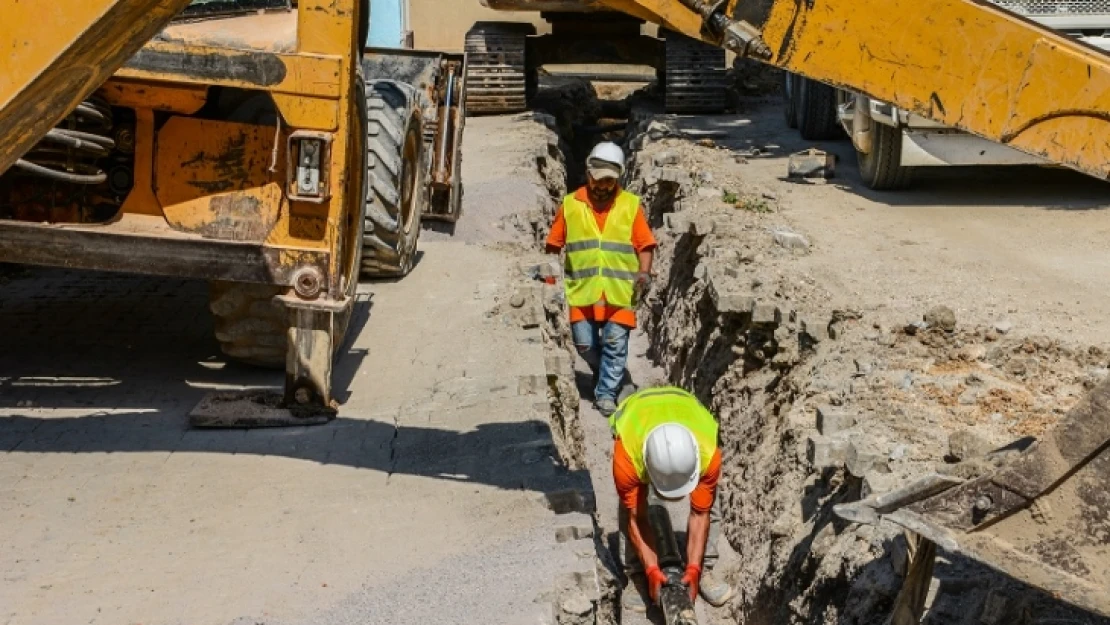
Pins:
x,y
714,589
632,597
605,406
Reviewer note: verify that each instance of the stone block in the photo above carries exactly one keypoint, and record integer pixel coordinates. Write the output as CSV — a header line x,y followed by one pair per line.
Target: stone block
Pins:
x,y
965,444
665,158
731,301
567,501
824,452
816,330
532,385
557,362
831,420
672,175
864,458
766,315
790,240
875,483
568,533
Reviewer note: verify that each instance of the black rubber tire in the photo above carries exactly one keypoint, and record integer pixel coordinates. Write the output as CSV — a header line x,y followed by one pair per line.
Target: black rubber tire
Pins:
x,y
694,73
250,327
882,169
790,99
397,176
816,110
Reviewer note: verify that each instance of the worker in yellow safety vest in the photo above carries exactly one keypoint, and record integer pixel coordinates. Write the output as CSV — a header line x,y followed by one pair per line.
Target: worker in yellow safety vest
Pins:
x,y
607,268
666,448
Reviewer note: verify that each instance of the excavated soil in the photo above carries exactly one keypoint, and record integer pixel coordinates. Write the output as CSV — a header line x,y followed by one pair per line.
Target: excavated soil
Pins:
x,y
736,320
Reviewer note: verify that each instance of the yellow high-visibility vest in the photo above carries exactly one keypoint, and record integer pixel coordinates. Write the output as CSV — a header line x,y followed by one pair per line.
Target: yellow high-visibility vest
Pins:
x,y
644,410
600,264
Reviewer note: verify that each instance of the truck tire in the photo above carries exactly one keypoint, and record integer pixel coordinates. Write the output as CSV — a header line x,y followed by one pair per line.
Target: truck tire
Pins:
x,y
397,176
790,99
816,110
694,76
882,169
498,77
250,327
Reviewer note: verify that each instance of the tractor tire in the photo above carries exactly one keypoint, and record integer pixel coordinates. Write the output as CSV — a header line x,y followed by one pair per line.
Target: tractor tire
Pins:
x,y
694,75
397,176
882,169
816,110
790,99
250,326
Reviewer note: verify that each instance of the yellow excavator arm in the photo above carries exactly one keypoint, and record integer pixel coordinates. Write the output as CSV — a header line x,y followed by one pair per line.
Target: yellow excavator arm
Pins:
x,y
61,53
963,63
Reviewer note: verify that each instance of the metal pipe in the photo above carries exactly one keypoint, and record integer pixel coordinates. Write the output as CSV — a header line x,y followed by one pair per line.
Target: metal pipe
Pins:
x,y
445,124
674,596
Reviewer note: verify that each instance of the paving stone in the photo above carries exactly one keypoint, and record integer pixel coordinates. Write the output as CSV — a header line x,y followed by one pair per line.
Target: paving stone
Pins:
x,y
832,420
824,452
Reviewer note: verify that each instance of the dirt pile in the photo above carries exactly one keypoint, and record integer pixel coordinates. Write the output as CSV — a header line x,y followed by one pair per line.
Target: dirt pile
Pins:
x,y
821,405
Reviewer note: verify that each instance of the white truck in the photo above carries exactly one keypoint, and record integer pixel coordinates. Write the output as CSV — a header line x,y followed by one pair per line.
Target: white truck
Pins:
x,y
891,143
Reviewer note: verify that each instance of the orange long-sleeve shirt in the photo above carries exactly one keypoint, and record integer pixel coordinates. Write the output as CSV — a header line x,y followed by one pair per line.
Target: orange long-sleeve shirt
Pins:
x,y
642,240
631,489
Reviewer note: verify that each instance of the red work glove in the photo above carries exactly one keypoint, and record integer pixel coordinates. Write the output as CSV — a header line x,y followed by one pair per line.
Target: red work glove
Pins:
x,y
691,579
655,581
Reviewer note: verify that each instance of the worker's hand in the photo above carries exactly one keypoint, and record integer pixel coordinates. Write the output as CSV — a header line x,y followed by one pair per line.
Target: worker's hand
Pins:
x,y
640,287
692,578
655,581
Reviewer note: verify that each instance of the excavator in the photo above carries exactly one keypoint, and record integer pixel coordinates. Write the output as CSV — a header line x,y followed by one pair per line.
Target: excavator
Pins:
x,y
255,144
241,162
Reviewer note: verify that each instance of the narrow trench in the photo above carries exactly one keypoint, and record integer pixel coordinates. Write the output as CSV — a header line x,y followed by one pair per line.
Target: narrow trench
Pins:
x,y
681,340
787,555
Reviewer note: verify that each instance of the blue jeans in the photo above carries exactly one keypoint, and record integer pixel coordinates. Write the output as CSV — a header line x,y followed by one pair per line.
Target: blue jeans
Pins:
x,y
604,347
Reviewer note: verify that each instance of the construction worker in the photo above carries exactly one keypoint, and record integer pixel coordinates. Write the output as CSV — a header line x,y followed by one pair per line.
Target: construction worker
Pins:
x,y
607,268
666,449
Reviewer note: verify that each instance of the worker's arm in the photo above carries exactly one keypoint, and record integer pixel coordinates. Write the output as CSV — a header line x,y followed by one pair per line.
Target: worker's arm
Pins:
x,y
639,533
557,238
697,525
633,496
643,240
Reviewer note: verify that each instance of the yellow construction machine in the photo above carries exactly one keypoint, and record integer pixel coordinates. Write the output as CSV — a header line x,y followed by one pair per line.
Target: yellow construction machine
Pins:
x,y
1043,517
256,144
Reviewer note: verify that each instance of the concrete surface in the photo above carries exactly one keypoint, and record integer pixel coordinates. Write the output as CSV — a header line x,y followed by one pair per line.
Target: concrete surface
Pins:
x,y
424,502
1023,244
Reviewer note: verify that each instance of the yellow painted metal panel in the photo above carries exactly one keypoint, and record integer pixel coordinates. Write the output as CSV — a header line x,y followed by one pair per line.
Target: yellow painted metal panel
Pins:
x,y
56,53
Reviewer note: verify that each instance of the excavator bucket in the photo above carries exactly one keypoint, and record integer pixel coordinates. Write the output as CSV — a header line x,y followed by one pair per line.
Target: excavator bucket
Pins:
x,y
1042,517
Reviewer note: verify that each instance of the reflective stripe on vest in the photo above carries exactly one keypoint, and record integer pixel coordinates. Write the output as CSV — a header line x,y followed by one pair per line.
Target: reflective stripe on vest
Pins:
x,y
600,264
644,410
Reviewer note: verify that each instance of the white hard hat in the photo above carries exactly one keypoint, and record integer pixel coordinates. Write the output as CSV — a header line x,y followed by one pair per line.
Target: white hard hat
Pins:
x,y
671,456
606,160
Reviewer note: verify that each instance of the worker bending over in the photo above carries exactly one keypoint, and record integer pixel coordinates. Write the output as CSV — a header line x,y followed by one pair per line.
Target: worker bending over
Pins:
x,y
607,268
666,447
